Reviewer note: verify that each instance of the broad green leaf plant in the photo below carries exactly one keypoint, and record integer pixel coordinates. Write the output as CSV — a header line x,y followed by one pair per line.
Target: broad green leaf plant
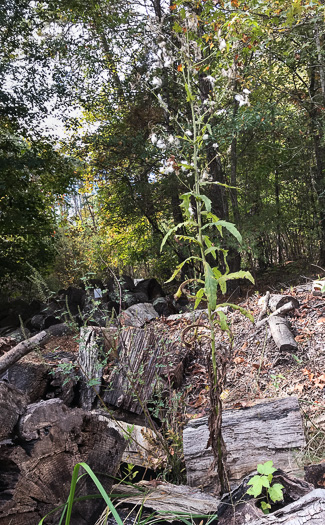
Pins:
x,y
199,222
261,485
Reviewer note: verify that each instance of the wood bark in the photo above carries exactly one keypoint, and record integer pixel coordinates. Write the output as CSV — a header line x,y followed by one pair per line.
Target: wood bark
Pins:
x,y
280,311
308,510
36,474
142,449
144,357
170,499
282,334
278,300
138,314
28,345
12,405
268,430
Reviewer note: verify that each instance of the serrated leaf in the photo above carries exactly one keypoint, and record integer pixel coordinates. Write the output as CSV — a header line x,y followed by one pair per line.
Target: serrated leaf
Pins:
x,y
232,229
189,239
266,468
275,492
242,310
174,229
211,286
214,223
199,295
180,266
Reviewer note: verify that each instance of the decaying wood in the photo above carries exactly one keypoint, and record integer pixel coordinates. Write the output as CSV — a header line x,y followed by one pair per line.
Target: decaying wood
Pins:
x,y
146,357
278,300
96,345
286,308
265,305
143,448
268,430
38,340
195,314
168,498
308,510
282,334
36,474
315,474
12,405
138,314
238,508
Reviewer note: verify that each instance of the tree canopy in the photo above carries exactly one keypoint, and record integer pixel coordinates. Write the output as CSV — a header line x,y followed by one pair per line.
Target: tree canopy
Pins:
x,y
114,73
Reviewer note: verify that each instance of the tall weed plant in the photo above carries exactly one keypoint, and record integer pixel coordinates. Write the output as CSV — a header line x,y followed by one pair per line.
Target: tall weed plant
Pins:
x,y
200,224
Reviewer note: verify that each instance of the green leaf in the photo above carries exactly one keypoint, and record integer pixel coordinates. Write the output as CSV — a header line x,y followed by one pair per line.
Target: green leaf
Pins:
x,y
266,468
211,286
189,97
236,275
222,321
276,492
265,507
207,202
174,229
257,482
232,229
189,239
199,295
180,266
216,224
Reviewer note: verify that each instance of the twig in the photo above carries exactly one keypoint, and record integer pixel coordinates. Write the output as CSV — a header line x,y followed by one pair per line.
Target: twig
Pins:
x,y
280,311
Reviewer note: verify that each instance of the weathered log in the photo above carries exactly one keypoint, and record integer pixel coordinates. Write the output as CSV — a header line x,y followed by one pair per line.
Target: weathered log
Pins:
x,y
36,474
144,356
167,498
38,340
282,334
142,449
308,510
268,430
12,405
286,308
138,314
278,300
97,344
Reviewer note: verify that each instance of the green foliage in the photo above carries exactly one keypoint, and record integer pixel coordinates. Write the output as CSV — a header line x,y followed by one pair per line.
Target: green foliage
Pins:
x,y
261,485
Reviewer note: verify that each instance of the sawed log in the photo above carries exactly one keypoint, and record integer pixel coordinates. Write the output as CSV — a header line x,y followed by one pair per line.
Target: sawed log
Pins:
x,y
267,430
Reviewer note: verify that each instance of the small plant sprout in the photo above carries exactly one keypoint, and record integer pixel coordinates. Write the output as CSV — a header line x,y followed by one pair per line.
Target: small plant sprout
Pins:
x,y
261,485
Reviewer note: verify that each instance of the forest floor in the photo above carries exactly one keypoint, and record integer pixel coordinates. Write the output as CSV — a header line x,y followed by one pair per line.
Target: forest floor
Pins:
x,y
257,369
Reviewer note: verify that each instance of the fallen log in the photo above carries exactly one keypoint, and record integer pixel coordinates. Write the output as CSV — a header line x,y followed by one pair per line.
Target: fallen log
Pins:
x,y
38,340
268,430
282,334
308,510
142,448
284,309
146,357
278,300
12,405
36,473
167,498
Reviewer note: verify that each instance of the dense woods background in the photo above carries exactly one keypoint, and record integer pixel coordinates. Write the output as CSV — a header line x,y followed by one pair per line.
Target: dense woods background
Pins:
x,y
108,73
